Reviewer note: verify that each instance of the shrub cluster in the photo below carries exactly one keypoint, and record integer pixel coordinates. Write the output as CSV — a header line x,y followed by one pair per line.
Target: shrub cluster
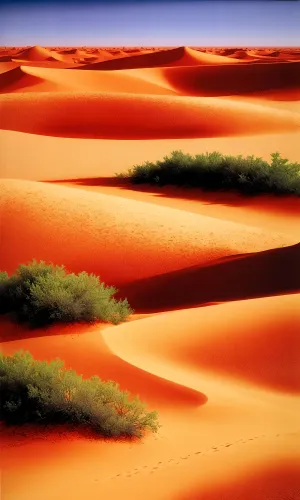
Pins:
x,y
38,392
214,171
43,294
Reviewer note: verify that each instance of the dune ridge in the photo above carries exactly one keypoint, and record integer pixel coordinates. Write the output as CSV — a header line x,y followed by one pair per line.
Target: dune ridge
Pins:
x,y
37,79
105,157
93,115
36,53
181,56
213,277
218,80
235,278
239,340
94,224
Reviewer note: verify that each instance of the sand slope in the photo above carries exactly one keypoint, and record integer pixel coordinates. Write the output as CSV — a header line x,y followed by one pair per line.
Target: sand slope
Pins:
x,y
105,231
181,56
225,80
36,79
248,428
271,272
255,341
36,53
122,116
92,158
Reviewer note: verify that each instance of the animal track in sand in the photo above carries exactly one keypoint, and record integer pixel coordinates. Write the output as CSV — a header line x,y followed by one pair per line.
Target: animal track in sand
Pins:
x,y
172,461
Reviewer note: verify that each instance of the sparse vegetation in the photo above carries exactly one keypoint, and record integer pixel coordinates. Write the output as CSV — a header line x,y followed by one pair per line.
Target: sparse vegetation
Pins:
x,y
39,392
214,171
42,294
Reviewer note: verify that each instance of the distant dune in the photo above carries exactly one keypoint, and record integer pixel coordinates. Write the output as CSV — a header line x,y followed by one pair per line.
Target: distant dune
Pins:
x,y
36,53
181,56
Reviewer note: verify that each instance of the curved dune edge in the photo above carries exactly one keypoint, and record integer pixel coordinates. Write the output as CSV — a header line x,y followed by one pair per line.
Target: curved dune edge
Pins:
x,y
241,277
83,350
180,56
119,239
244,340
224,377
7,66
245,444
127,116
90,158
216,80
225,80
39,79
37,53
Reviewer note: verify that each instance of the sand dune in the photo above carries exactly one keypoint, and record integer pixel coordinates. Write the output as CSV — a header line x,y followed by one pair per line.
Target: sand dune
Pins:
x,y
7,66
252,340
271,272
37,79
58,341
202,81
247,429
105,231
39,55
181,56
213,277
36,53
103,158
227,79
122,116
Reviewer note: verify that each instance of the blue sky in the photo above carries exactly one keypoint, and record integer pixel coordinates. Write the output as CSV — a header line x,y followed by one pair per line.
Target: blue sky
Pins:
x,y
150,22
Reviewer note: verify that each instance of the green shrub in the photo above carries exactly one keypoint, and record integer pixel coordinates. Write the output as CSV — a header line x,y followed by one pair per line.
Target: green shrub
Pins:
x,y
43,293
46,393
214,171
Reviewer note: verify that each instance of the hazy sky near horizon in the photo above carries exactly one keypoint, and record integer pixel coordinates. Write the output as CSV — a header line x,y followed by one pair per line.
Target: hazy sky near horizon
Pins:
x,y
150,22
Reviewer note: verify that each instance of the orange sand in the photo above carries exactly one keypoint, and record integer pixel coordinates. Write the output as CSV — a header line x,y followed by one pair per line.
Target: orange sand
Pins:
x,y
86,158
214,277
93,115
241,431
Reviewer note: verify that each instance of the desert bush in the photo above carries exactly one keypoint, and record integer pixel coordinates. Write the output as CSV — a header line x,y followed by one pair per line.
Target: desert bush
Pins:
x,y
39,392
214,171
43,294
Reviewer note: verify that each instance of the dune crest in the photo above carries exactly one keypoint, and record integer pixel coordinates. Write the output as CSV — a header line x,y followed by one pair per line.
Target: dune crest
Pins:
x,y
37,79
245,340
181,56
36,53
102,223
213,277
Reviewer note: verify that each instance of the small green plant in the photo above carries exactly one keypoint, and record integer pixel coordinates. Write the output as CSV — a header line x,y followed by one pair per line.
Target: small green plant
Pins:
x,y
39,392
214,171
42,294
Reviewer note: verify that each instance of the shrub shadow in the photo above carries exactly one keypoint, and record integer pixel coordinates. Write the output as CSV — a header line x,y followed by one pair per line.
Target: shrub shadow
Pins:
x,y
230,198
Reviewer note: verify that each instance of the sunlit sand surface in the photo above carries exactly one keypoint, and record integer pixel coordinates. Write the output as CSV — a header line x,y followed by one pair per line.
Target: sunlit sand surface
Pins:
x,y
214,278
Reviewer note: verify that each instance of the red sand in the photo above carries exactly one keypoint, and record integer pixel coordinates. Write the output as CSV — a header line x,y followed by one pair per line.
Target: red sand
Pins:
x,y
214,278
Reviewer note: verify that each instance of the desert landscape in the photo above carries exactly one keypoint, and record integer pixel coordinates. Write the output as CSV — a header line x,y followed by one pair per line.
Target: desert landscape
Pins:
x,y
213,276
